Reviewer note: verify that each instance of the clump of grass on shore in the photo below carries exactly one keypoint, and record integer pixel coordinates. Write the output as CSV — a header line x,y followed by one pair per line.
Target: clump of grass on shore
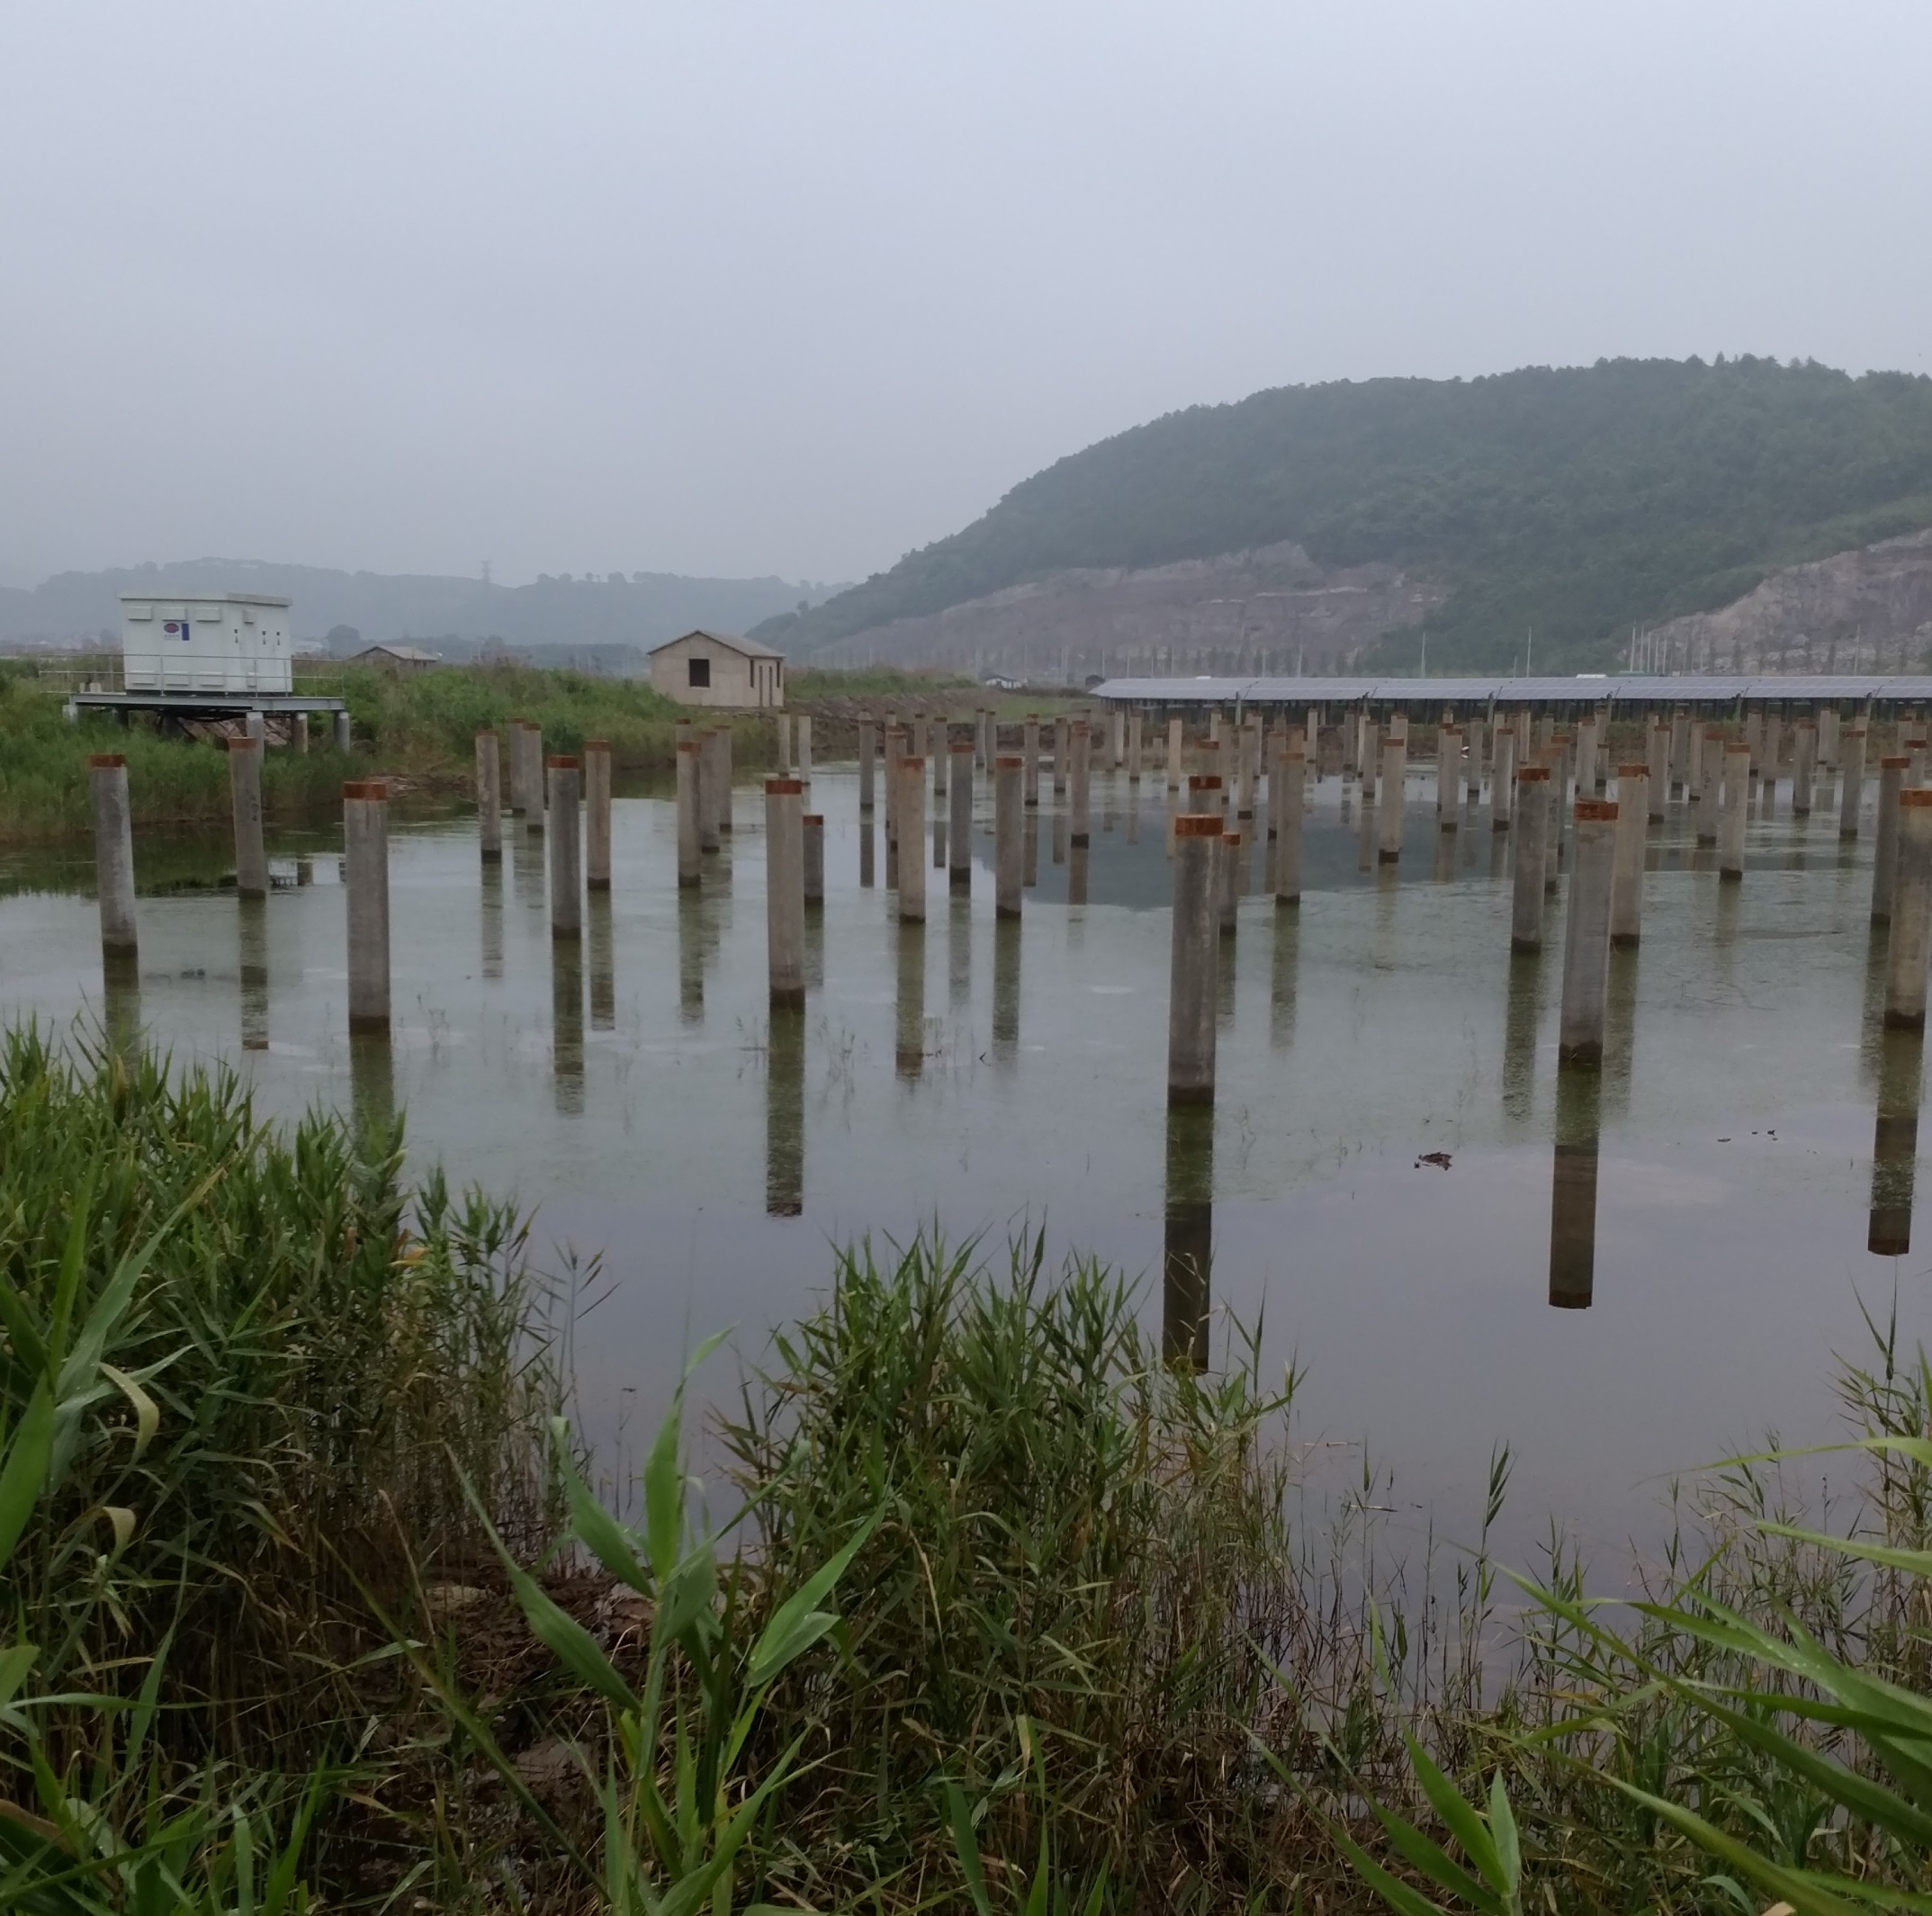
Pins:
x,y
1077,1575
311,1362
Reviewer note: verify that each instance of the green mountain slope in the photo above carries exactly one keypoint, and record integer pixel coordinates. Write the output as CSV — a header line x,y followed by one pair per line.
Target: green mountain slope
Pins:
x,y
1579,501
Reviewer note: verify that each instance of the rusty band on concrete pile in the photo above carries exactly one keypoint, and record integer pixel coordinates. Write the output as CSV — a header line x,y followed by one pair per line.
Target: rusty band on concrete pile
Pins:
x,y
102,762
376,789
1594,810
784,788
1207,824
561,762
1532,775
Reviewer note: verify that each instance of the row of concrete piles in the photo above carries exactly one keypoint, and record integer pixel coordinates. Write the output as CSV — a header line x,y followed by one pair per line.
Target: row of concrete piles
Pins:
x,y
547,797
1531,771
1542,781
1717,771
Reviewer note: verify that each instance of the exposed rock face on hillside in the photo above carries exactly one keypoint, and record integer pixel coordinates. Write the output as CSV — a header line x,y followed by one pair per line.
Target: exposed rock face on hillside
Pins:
x,y
1866,610
1271,609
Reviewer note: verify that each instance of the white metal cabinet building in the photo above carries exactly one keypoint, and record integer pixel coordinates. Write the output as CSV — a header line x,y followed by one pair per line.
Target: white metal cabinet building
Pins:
x,y
216,641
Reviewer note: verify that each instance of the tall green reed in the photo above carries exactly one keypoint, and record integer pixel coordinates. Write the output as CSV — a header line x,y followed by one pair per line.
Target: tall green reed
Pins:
x,y
1075,1572
309,1363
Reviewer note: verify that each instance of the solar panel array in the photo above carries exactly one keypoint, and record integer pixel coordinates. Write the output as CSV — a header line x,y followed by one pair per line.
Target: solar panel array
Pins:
x,y
1623,688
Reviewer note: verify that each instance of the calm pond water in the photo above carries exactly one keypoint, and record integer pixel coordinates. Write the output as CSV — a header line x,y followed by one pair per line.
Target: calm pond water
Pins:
x,y
992,1081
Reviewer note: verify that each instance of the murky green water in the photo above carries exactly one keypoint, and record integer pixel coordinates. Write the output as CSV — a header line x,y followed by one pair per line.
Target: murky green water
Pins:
x,y
1712,1201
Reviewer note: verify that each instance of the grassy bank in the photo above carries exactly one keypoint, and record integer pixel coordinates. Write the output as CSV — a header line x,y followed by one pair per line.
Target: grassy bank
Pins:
x,y
303,1573
419,729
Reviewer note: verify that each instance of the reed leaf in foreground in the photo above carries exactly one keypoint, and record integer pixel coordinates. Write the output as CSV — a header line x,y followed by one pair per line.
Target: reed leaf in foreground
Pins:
x,y
677,1807
1801,1771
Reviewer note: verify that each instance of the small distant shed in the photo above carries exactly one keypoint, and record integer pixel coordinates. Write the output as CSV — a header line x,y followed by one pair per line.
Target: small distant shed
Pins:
x,y
396,658
205,641
711,669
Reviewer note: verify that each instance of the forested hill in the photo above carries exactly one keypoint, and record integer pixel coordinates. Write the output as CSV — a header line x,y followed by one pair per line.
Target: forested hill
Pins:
x,y
1575,500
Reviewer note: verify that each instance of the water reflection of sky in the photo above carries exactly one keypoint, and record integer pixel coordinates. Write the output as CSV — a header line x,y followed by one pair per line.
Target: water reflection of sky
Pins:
x,y
1711,1199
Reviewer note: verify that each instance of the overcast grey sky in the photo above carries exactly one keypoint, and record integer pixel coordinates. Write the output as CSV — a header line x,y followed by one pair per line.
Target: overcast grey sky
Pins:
x,y
743,288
